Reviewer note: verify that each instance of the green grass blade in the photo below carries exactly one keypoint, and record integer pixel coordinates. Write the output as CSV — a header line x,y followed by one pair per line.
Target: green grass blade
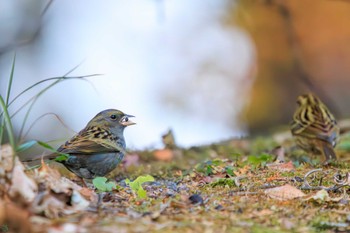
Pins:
x,y
31,143
58,79
35,98
26,145
50,79
8,123
42,81
44,115
10,80
2,120
2,123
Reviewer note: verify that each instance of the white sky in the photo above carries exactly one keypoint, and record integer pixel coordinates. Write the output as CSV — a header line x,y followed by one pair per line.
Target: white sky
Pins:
x,y
151,56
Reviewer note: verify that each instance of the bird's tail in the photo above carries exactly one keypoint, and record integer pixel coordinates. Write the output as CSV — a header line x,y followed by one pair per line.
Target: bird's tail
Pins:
x,y
329,153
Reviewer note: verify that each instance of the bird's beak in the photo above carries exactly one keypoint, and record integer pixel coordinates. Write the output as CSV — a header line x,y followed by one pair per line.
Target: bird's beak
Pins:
x,y
127,121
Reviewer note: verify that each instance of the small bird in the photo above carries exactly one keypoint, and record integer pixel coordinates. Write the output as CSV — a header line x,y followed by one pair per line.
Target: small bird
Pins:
x,y
98,148
314,127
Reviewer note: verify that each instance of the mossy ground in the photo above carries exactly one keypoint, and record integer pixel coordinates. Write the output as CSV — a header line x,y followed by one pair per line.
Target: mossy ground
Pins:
x,y
230,179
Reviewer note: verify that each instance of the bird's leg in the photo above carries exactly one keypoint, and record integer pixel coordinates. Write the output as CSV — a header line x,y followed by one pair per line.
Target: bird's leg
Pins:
x,y
329,153
83,182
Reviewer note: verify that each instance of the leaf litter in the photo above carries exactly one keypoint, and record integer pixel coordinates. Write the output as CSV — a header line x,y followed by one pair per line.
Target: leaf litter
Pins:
x,y
232,186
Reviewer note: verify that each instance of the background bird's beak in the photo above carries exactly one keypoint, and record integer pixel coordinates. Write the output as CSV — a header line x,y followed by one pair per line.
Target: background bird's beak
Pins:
x,y
129,122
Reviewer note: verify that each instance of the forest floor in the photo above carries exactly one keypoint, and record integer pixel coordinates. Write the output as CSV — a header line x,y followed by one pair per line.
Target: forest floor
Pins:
x,y
246,185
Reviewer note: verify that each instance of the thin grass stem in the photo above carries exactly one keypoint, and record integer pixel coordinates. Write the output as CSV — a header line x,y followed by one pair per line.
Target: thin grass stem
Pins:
x,y
8,124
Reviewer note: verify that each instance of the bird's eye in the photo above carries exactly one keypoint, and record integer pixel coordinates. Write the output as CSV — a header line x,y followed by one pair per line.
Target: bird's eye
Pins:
x,y
113,117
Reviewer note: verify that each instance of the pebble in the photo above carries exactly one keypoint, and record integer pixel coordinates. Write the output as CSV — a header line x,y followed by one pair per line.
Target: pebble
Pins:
x,y
196,199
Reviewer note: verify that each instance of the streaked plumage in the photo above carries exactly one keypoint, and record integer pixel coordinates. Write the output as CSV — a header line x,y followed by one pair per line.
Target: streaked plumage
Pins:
x,y
314,127
99,147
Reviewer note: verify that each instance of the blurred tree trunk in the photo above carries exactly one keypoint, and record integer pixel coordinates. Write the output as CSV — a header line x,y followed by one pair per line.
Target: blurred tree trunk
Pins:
x,y
302,46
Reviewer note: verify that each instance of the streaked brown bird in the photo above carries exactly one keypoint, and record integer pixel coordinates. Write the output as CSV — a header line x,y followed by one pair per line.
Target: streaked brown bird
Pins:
x,y
98,148
314,127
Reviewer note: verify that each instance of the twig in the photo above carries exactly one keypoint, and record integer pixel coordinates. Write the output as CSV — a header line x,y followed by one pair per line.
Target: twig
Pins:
x,y
341,180
306,183
237,179
244,193
335,187
339,183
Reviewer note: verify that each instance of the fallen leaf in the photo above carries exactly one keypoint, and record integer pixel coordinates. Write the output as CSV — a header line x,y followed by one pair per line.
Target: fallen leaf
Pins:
x,y
321,196
10,215
280,154
58,195
164,154
178,204
285,192
20,187
283,167
242,171
274,178
87,193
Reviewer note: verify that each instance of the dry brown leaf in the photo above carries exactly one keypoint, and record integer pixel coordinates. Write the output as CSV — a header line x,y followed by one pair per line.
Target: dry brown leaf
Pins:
x,y
178,204
279,152
285,192
10,217
21,185
285,167
164,154
6,159
87,193
20,188
58,195
242,171
322,196
275,177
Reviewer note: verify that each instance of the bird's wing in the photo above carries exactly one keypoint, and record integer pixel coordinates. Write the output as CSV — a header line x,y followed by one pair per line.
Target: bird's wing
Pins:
x,y
91,141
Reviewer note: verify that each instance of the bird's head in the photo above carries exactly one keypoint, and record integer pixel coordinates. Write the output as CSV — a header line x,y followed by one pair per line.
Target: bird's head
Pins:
x,y
111,118
307,99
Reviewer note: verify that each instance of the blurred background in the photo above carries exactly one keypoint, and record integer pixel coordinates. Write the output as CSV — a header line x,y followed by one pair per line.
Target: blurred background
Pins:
x,y
208,70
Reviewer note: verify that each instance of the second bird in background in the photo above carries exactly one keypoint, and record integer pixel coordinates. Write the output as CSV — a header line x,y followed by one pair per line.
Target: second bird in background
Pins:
x,y
314,127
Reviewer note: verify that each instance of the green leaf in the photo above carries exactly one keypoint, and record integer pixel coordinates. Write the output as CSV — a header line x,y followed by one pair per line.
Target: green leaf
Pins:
x,y
26,145
46,146
136,185
229,170
141,193
217,162
229,182
260,160
60,156
209,170
206,167
102,185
